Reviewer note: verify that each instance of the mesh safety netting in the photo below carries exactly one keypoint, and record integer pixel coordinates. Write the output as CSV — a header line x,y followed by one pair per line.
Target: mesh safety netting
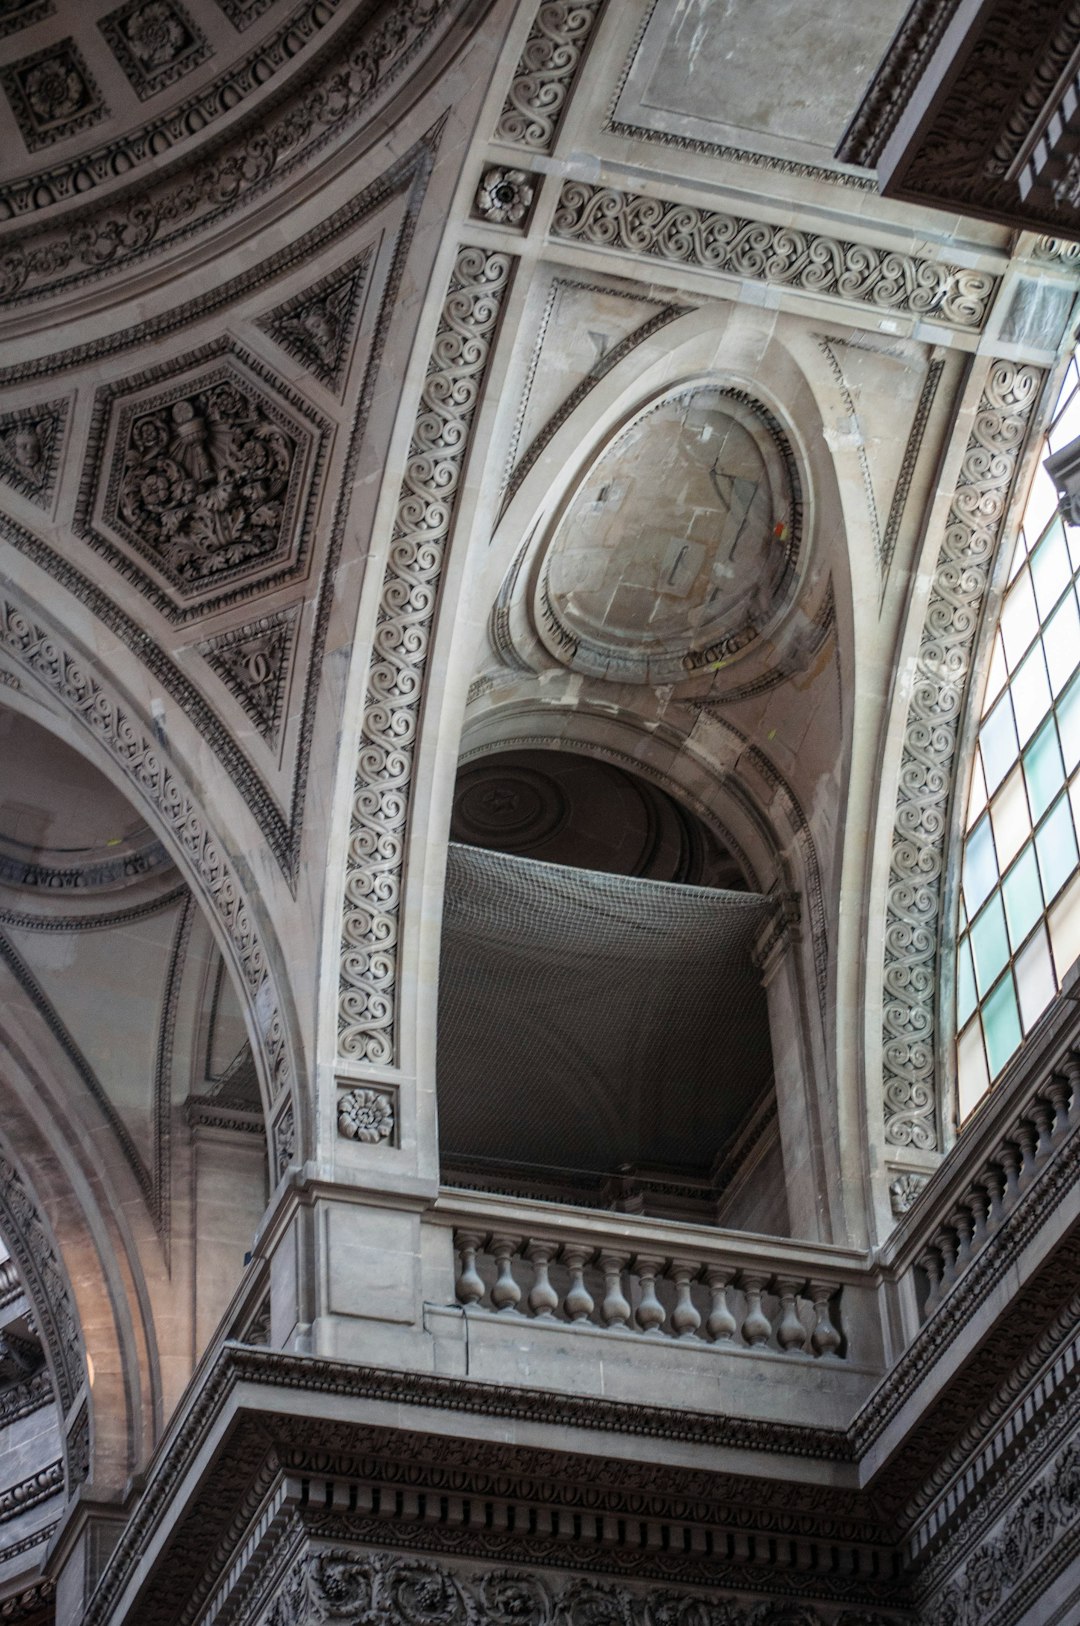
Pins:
x,y
589,1021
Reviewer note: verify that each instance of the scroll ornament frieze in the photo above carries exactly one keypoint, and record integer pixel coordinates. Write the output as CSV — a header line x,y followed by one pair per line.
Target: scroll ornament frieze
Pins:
x,y
545,74
341,1584
426,508
913,909
60,670
707,240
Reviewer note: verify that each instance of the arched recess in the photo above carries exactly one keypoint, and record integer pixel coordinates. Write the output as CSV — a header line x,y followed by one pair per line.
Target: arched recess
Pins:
x,y
735,792
53,679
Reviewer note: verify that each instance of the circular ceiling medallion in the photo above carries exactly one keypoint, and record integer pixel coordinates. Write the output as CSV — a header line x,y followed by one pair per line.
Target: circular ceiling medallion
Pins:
x,y
680,547
513,808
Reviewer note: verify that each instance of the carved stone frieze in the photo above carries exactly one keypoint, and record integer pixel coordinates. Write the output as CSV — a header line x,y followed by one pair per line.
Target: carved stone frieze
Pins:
x,y
284,1140
426,507
16,14
171,205
318,326
27,1493
916,878
254,662
52,94
211,478
545,75
705,240
30,443
328,1583
65,675
155,42
242,13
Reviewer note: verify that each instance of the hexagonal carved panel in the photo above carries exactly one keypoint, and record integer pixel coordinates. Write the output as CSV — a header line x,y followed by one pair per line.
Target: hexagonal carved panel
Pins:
x,y
205,473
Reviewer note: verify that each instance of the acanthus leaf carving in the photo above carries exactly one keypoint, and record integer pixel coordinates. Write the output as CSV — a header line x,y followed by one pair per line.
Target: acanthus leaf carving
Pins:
x,y
974,526
426,509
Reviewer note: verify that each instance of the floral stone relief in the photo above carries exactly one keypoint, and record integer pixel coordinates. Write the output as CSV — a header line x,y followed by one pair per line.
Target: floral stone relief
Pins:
x,y
366,1115
155,42
52,94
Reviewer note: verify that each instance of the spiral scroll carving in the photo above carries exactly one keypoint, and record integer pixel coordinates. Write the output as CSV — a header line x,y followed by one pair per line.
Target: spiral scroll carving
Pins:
x,y
912,925
546,72
410,588
707,240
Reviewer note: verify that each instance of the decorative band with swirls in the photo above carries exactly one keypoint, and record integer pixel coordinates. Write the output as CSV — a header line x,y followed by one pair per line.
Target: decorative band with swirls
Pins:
x,y
425,515
603,217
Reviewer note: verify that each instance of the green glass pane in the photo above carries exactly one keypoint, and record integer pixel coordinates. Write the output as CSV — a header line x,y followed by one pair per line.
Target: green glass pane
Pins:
x,y
990,943
1043,769
1056,844
1061,640
998,740
1001,1024
1051,569
1023,896
1068,716
1031,694
966,996
980,865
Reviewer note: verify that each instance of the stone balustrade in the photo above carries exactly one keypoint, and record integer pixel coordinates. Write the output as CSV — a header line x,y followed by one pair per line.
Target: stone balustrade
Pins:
x,y
598,1282
967,1213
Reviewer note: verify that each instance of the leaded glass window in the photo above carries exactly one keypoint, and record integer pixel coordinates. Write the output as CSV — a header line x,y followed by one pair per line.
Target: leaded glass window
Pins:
x,y
1020,882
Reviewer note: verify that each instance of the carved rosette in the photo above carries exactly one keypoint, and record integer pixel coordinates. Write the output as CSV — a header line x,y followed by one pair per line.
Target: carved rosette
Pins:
x,y
603,217
366,1115
913,910
426,508
504,196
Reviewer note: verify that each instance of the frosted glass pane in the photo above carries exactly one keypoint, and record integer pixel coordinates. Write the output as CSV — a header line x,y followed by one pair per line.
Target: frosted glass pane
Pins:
x,y
1019,619
977,796
1051,569
989,943
998,741
1061,640
980,866
1023,896
973,1080
1072,537
1067,419
1043,769
1001,1024
1035,981
1055,844
1031,694
1012,822
1068,717
1064,923
1041,505
998,675
965,984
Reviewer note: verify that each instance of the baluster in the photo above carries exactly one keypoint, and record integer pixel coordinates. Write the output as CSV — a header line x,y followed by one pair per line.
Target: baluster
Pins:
x,y
506,1292
960,1221
931,1264
790,1332
685,1317
1024,1135
469,1286
825,1339
1071,1068
543,1299
1009,1158
721,1324
756,1327
578,1302
978,1207
650,1312
1043,1116
994,1181
1057,1092
616,1306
